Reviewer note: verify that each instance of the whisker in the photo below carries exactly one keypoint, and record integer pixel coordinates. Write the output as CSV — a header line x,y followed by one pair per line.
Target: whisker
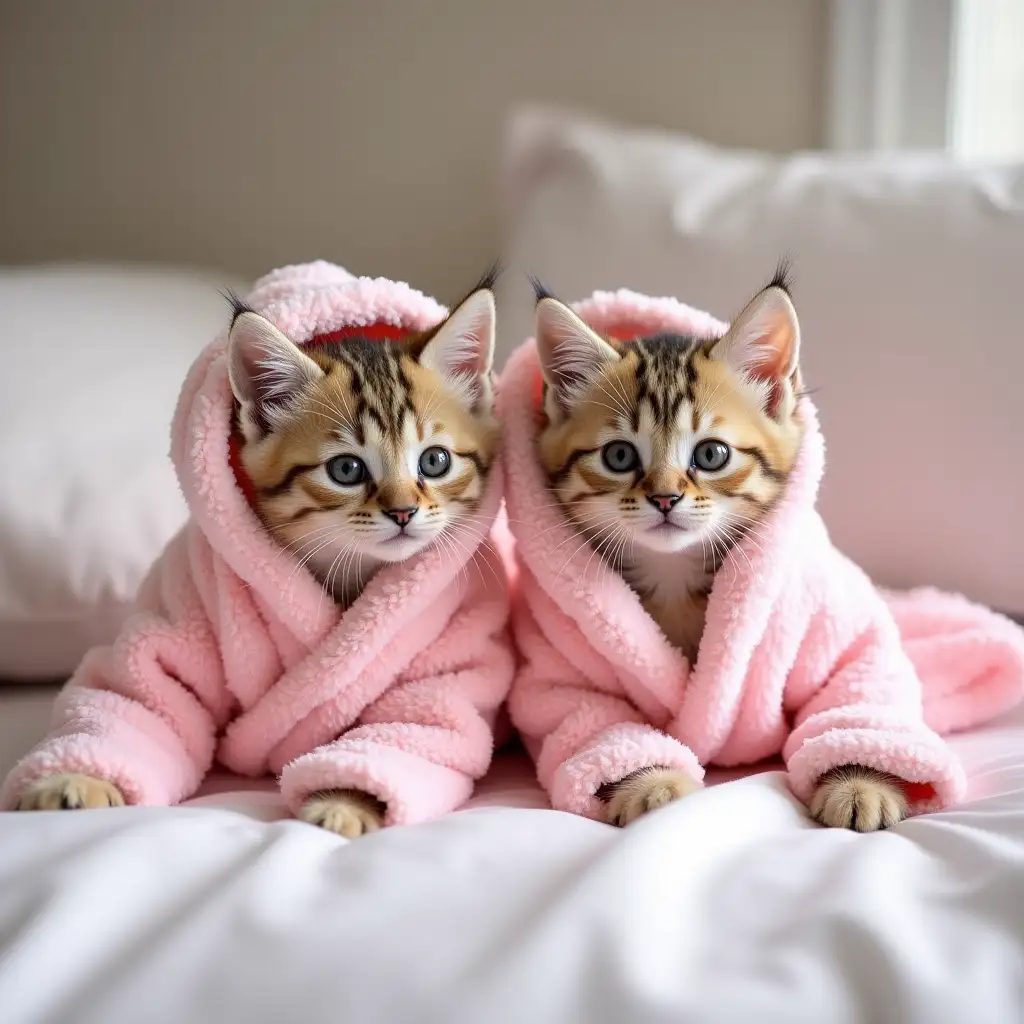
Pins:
x,y
326,582
470,553
593,539
621,392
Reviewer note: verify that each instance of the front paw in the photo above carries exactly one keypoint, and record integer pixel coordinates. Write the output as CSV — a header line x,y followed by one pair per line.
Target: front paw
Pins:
x,y
645,790
858,798
69,793
347,812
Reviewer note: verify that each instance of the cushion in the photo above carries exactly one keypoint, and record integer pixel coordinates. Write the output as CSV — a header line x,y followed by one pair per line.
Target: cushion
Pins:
x,y
906,276
93,360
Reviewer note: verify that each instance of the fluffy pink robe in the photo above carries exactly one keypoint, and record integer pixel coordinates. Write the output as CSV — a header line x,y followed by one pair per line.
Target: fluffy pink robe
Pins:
x,y
236,654
801,656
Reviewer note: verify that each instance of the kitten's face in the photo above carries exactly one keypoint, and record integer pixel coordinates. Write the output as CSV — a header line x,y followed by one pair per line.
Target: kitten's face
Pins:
x,y
667,442
364,452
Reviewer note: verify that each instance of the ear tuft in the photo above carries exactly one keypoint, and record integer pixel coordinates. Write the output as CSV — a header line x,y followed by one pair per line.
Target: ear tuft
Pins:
x,y
267,371
238,305
540,289
489,278
571,354
783,276
462,348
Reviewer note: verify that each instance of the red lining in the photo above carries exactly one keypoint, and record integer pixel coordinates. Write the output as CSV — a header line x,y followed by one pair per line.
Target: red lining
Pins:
x,y
627,330
374,332
242,479
919,792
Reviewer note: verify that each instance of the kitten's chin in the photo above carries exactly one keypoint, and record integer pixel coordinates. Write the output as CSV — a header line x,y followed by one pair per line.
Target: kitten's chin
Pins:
x,y
666,538
397,548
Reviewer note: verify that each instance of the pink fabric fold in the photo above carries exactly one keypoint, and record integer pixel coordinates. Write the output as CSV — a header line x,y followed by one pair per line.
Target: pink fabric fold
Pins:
x,y
801,655
235,654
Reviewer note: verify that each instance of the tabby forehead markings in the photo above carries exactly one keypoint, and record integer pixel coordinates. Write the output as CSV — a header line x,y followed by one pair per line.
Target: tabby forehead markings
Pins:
x,y
378,381
666,372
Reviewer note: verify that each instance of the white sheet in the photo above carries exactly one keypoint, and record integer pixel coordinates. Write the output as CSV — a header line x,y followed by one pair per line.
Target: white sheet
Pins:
x,y
729,906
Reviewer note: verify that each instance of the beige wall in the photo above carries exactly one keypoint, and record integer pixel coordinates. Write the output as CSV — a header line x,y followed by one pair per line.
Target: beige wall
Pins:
x,y
243,134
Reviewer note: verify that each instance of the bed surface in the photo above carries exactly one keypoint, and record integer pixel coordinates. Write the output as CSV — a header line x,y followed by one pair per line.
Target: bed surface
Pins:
x,y
729,906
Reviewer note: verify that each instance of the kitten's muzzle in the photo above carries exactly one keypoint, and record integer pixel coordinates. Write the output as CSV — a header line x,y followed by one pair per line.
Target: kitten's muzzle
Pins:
x,y
402,516
664,503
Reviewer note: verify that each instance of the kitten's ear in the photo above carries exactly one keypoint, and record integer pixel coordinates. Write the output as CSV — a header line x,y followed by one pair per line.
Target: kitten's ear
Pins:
x,y
763,343
462,348
267,371
571,354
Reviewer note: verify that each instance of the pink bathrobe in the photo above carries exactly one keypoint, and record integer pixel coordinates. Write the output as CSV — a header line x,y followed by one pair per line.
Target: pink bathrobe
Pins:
x,y
236,654
801,656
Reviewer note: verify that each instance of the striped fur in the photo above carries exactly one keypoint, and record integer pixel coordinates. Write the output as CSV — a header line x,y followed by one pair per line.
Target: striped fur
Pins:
x,y
304,411
667,524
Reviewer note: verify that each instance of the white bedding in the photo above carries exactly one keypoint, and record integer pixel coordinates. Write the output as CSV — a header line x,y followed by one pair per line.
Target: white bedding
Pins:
x,y
729,906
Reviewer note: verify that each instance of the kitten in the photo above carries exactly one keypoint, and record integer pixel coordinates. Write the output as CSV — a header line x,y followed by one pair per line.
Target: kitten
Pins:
x,y
363,452
664,451
360,453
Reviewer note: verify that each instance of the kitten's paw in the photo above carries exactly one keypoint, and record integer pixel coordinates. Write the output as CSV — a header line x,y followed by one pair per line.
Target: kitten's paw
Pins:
x,y
858,798
646,790
69,793
345,811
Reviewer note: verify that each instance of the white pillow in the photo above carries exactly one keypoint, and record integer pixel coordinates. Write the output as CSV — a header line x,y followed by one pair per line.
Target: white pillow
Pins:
x,y
908,281
93,358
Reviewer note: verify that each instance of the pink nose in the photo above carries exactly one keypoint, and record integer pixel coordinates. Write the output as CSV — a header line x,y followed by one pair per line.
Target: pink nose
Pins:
x,y
402,516
663,502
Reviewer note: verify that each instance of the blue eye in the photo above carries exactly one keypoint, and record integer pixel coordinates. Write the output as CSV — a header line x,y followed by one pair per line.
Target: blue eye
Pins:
x,y
346,470
711,456
620,457
435,462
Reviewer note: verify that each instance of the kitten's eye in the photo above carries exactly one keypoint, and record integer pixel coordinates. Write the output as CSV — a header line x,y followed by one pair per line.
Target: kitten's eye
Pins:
x,y
346,470
435,462
711,456
620,456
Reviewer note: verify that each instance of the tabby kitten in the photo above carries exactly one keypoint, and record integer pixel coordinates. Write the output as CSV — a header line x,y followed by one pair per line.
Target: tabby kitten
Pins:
x,y
664,451
360,452
363,452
